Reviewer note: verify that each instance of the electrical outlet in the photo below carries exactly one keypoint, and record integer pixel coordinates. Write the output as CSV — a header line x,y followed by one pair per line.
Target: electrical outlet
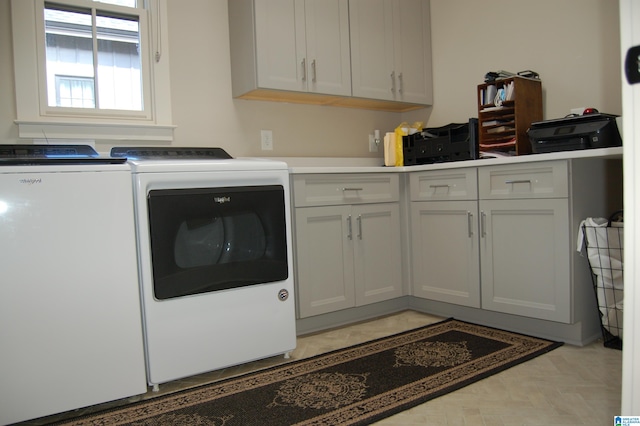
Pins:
x,y
266,138
373,146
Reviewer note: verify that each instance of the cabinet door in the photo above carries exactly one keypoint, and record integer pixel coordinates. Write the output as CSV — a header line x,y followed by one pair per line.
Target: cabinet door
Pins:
x,y
328,60
525,247
303,45
445,251
372,59
376,235
391,50
277,45
324,248
412,22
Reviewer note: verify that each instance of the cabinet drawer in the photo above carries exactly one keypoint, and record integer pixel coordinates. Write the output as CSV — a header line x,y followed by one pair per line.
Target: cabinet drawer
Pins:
x,y
356,188
458,184
535,180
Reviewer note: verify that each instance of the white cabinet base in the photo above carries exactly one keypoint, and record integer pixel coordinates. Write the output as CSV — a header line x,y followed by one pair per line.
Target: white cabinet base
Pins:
x,y
446,265
579,334
324,260
525,258
348,242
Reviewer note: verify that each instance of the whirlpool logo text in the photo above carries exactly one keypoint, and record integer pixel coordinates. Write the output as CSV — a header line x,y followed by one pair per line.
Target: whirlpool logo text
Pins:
x,y
221,200
30,181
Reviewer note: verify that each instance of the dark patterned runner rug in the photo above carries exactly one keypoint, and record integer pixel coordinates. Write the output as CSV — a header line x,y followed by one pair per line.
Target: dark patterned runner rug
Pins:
x,y
353,386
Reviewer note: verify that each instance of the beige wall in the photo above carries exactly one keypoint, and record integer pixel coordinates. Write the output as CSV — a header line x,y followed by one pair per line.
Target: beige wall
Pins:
x,y
573,44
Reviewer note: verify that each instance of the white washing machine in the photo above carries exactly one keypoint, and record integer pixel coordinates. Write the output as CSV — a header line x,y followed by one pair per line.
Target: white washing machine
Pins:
x,y
70,320
214,243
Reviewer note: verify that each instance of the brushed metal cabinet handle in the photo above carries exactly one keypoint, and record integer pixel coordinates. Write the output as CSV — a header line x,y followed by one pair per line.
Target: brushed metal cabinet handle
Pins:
x,y
313,71
304,69
436,187
351,189
511,182
483,224
470,223
393,82
359,220
349,234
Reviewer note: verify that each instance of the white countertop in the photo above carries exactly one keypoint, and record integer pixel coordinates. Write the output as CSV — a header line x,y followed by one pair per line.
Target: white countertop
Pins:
x,y
305,165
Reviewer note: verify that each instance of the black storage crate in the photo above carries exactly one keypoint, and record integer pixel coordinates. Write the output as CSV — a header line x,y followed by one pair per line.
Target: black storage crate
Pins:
x,y
453,142
605,254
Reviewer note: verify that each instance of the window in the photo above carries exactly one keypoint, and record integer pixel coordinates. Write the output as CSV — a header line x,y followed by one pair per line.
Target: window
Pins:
x,y
115,65
90,69
74,91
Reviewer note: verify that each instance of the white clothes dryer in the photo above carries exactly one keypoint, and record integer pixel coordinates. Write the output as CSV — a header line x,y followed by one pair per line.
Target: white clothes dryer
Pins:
x,y
214,242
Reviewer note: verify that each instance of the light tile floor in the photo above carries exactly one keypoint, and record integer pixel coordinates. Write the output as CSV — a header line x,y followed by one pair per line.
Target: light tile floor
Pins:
x,y
568,386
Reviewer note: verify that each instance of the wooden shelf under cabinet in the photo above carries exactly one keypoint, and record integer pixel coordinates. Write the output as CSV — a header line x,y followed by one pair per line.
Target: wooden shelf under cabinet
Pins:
x,y
504,128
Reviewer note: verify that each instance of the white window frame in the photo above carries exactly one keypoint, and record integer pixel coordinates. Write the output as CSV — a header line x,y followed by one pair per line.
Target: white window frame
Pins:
x,y
36,120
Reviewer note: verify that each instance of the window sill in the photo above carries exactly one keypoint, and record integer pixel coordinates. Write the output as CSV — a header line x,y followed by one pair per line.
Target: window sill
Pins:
x,y
68,130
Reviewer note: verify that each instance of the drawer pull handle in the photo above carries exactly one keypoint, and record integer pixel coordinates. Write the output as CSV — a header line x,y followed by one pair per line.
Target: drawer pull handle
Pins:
x,y
359,219
511,182
349,234
470,223
351,189
435,187
483,224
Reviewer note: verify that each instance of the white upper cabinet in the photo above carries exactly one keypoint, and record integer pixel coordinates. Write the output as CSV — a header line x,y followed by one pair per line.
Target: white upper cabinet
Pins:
x,y
372,54
292,45
372,48
276,46
391,50
327,59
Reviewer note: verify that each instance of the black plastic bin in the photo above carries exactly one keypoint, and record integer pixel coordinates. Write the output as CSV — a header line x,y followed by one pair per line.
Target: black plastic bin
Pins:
x,y
453,142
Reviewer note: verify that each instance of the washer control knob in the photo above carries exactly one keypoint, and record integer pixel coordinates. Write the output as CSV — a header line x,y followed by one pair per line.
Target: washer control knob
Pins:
x,y
283,294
